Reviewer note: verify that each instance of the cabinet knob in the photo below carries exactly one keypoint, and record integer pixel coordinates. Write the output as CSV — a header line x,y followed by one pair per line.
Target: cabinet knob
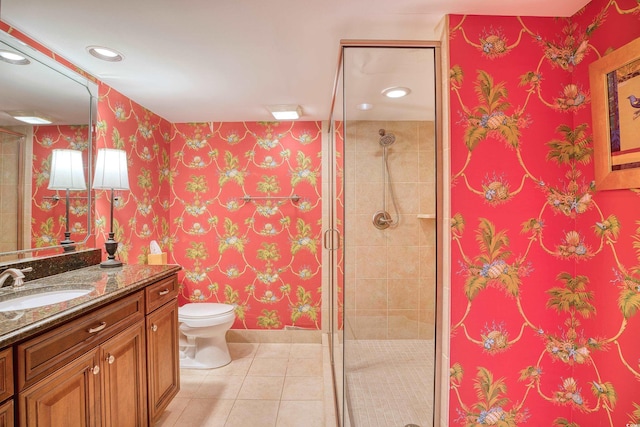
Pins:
x,y
111,359
163,292
154,327
96,370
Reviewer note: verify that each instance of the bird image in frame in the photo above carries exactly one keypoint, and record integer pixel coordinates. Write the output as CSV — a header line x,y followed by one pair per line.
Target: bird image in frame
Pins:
x,y
635,103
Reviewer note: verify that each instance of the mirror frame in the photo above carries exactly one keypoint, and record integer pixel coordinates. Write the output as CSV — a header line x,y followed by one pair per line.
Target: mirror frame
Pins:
x,y
30,48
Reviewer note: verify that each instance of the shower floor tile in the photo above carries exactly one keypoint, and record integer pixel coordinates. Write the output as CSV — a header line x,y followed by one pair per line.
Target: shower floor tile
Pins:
x,y
389,382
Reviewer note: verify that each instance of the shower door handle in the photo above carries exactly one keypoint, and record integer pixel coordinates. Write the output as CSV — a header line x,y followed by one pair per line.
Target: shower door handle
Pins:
x,y
325,239
328,241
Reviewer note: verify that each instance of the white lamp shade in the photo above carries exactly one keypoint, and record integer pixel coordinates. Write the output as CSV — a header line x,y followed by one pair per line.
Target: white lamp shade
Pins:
x,y
67,171
111,170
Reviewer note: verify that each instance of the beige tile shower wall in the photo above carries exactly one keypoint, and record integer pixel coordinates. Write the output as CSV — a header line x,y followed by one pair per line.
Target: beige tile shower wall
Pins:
x,y
390,274
8,194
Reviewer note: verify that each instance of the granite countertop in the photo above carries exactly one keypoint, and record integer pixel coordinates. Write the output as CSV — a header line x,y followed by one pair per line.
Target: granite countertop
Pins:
x,y
104,285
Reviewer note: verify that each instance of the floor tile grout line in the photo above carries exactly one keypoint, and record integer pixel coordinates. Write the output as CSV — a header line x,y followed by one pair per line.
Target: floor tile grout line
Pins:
x,y
244,372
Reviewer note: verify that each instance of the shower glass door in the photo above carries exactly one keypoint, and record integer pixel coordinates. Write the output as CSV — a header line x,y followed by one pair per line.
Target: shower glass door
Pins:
x,y
383,207
12,192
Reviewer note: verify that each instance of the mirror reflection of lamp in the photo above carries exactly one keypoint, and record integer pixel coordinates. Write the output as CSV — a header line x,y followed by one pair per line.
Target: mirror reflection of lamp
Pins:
x,y
111,174
67,173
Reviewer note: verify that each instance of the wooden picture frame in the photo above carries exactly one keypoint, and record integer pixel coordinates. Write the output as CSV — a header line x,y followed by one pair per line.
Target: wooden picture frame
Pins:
x,y
615,110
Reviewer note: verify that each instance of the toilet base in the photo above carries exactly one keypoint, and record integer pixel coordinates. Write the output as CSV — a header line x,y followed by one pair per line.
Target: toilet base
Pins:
x,y
203,352
188,363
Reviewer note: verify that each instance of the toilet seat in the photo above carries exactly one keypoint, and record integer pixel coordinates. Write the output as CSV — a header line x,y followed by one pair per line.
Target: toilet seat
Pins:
x,y
203,310
205,314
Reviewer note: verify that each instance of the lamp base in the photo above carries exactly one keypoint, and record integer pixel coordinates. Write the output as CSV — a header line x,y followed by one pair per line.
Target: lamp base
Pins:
x,y
109,263
67,243
111,246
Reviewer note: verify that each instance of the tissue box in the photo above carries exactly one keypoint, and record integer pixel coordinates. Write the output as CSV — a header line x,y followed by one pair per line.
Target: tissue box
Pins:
x,y
157,259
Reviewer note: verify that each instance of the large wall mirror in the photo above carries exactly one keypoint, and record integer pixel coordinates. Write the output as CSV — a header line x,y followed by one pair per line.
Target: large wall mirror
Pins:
x,y
33,217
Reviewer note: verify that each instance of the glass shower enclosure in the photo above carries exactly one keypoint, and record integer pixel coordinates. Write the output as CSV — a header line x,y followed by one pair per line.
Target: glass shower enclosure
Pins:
x,y
382,234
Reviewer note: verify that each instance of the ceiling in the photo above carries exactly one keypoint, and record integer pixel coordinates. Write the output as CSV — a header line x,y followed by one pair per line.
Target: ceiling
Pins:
x,y
214,60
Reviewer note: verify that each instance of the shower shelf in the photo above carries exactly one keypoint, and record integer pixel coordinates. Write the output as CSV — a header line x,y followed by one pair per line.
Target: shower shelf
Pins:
x,y
427,216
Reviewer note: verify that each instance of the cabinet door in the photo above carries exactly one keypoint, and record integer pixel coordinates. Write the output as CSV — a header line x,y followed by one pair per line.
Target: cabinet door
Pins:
x,y
66,398
163,363
6,414
6,374
124,379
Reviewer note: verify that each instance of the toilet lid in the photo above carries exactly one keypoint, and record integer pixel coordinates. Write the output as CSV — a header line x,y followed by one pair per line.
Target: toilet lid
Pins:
x,y
204,310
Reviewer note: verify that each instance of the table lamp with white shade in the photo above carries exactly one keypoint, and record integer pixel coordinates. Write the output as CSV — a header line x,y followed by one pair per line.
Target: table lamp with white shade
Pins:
x,y
111,174
67,173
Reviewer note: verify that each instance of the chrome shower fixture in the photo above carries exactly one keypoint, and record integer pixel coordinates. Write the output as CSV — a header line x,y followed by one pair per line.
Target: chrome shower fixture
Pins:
x,y
382,219
386,139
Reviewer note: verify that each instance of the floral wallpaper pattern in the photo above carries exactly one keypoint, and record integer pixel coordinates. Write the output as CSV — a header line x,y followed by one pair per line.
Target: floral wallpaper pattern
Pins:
x,y
141,214
48,216
545,295
188,183
261,253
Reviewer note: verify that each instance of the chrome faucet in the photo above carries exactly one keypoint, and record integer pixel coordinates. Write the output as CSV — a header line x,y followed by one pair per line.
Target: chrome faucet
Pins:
x,y
17,275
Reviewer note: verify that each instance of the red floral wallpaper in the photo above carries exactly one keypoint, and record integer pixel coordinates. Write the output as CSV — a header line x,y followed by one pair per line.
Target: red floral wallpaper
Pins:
x,y
141,214
188,183
261,254
545,284
48,216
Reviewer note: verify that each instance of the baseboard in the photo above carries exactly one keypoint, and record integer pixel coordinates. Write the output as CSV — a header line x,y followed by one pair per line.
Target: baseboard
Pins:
x,y
275,336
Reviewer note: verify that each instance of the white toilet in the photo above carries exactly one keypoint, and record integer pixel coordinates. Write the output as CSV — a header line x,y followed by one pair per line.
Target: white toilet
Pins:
x,y
203,327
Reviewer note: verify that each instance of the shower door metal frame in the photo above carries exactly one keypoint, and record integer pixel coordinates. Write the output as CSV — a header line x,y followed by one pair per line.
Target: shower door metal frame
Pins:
x,y
440,223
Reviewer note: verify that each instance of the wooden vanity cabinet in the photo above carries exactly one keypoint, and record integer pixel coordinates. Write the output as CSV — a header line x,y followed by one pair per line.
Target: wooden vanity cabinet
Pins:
x,y
68,397
115,366
42,355
124,379
6,388
163,362
105,385
7,414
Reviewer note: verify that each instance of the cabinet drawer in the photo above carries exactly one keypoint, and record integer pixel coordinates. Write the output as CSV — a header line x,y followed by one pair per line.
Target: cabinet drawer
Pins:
x,y
6,374
159,293
44,354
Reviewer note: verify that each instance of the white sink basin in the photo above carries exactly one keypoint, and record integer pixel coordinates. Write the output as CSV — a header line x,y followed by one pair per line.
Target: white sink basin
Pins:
x,y
41,299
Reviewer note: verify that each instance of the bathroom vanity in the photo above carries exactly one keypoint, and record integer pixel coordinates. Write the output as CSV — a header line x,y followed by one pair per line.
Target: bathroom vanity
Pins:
x,y
109,357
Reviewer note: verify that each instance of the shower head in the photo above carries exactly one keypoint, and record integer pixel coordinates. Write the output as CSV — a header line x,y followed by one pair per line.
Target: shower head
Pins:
x,y
386,139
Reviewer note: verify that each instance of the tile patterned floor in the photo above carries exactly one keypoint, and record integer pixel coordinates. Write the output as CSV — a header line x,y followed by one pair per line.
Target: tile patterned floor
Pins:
x,y
265,385
390,382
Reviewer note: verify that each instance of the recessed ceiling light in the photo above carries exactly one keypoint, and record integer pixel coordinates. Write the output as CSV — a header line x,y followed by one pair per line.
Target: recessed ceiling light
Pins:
x,y
13,58
285,112
33,120
396,92
364,106
105,53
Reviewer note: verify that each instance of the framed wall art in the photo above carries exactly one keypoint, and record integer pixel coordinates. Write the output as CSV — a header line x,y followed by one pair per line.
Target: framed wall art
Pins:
x,y
615,110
